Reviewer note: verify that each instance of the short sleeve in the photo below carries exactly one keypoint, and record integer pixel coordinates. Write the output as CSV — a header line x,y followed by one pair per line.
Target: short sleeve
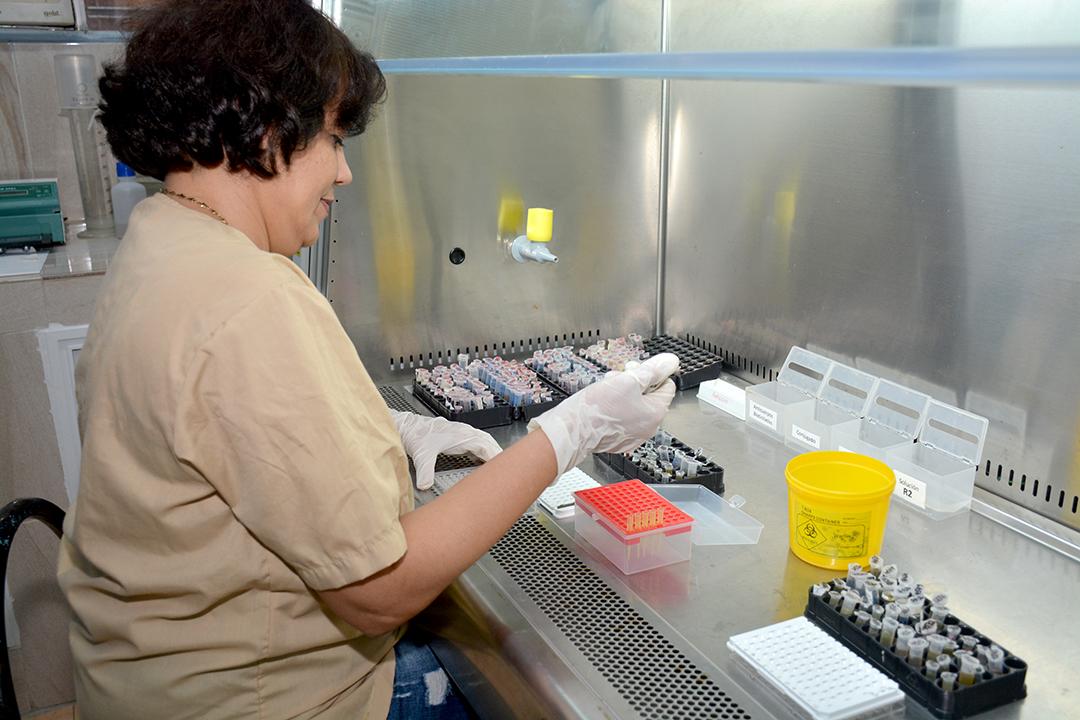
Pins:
x,y
279,416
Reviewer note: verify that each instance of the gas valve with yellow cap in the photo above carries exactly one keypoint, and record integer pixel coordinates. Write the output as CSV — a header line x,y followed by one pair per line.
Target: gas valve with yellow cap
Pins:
x,y
533,244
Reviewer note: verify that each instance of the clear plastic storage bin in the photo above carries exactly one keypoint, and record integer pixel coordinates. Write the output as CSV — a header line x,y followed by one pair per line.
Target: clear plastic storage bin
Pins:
x,y
633,526
772,407
893,417
845,395
937,473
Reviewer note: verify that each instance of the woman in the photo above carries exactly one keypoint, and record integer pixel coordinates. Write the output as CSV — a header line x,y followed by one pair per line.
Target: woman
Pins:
x,y
244,542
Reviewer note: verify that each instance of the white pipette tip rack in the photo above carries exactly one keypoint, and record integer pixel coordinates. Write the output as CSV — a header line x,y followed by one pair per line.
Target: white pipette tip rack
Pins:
x,y
813,674
558,500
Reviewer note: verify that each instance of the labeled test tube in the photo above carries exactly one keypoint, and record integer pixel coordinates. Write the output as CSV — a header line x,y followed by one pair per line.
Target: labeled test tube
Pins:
x,y
876,564
970,670
862,619
948,681
877,612
917,651
875,628
927,627
968,642
930,669
939,613
889,626
852,570
944,662
904,635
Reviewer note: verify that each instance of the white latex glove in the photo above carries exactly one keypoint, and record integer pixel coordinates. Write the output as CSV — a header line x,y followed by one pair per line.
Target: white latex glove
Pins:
x,y
425,438
614,415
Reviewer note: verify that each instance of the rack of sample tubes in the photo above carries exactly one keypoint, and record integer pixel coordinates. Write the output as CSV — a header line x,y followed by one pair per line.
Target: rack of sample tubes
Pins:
x,y
940,661
565,369
665,459
485,392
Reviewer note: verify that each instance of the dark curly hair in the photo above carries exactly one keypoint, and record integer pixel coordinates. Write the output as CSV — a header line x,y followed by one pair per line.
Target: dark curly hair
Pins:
x,y
205,82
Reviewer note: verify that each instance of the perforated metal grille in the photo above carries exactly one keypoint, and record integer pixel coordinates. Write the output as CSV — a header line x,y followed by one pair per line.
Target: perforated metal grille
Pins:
x,y
650,673
395,400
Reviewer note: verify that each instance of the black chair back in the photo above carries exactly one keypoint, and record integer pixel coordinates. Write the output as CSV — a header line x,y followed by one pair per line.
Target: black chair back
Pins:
x,y
11,517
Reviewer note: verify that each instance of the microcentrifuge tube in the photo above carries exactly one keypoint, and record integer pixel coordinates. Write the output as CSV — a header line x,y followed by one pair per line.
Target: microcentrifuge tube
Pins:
x,y
872,587
951,646
996,659
944,662
937,645
852,569
904,635
889,627
927,627
834,599
819,590
939,599
890,570
952,631
850,600
876,563
862,618
877,612
970,669
930,669
948,681
859,580
968,642
917,651
875,628
892,610
939,613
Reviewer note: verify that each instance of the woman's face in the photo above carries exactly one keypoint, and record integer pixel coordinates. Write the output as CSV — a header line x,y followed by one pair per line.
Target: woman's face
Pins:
x,y
298,199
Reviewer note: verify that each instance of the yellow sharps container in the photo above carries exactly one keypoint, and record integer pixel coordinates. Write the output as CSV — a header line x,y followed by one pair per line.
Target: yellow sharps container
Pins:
x,y
837,506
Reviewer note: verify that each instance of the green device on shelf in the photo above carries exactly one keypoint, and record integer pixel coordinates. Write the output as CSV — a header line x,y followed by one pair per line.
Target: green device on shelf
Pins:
x,y
30,214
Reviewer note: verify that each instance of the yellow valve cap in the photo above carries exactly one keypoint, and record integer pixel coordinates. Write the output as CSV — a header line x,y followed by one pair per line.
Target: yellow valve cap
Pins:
x,y
538,225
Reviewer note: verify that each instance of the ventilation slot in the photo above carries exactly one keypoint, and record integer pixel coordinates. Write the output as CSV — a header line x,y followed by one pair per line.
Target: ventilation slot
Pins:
x,y
504,348
650,673
1006,477
734,360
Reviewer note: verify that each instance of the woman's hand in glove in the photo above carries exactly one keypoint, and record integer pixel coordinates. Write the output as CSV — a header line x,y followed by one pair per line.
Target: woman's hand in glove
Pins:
x,y
614,415
425,438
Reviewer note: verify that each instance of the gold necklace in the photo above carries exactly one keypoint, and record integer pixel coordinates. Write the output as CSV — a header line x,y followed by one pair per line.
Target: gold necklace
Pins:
x,y
198,202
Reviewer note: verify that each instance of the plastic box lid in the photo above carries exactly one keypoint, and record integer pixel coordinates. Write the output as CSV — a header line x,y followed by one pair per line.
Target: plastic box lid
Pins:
x,y
954,431
848,389
804,371
898,408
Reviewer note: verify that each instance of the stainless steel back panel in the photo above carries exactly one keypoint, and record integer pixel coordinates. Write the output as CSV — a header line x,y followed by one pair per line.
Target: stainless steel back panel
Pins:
x,y
925,235
431,173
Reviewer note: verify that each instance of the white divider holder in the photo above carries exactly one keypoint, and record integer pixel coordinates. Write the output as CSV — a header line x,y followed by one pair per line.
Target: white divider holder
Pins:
x,y
844,397
772,407
894,415
937,473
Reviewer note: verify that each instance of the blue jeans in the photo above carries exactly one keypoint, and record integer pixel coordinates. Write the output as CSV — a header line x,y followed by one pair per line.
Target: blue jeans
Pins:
x,y
422,689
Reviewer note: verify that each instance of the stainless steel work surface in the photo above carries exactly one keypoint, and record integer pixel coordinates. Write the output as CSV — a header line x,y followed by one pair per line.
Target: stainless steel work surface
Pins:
x,y
1010,587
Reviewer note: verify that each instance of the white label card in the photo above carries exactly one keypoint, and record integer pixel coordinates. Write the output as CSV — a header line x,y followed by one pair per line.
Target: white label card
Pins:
x,y
762,415
910,489
806,437
724,395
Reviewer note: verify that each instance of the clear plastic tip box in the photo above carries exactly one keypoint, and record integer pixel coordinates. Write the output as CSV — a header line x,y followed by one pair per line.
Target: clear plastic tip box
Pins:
x,y
633,526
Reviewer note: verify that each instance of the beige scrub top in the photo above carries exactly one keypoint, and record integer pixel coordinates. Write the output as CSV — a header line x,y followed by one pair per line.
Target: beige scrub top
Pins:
x,y
236,457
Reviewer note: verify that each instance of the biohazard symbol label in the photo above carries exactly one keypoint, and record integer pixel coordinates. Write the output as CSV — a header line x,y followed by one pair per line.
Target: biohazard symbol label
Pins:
x,y
839,536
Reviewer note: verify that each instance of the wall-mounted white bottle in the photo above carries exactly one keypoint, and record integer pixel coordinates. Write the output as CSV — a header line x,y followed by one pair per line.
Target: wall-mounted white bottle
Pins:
x,y
126,193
